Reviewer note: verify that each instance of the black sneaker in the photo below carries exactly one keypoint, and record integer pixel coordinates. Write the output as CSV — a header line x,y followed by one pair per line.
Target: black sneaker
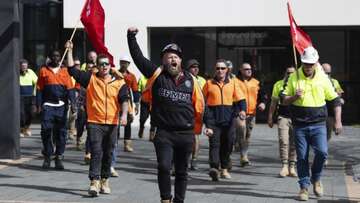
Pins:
x,y
214,174
47,162
58,163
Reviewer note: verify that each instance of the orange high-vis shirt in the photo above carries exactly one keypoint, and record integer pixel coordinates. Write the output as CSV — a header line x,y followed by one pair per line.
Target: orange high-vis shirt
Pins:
x,y
250,88
102,100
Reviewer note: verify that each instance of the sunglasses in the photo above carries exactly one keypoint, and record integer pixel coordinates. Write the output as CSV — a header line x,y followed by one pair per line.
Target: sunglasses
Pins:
x,y
221,68
247,69
289,73
104,64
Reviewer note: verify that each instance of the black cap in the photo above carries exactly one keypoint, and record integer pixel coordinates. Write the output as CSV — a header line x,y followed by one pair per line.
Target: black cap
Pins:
x,y
173,48
192,62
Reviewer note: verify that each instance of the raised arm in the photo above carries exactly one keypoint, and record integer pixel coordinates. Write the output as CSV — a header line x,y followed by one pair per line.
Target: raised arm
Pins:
x,y
81,77
145,66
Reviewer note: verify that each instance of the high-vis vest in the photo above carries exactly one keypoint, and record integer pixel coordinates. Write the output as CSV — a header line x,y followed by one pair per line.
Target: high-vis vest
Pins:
x,y
250,88
102,100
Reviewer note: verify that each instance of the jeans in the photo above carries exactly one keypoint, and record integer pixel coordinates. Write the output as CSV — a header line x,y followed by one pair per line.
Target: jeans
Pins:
x,y
173,146
313,135
220,146
102,141
53,129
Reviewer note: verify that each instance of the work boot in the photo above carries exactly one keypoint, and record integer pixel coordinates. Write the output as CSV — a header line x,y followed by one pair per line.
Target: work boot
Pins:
x,y
58,162
113,172
94,188
318,189
141,132
105,186
151,136
87,158
292,170
284,171
27,132
225,174
166,201
303,195
22,132
214,174
193,165
244,161
47,162
127,146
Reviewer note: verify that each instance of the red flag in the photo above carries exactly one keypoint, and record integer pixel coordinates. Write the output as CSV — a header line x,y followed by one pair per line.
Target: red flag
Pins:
x,y
93,19
300,39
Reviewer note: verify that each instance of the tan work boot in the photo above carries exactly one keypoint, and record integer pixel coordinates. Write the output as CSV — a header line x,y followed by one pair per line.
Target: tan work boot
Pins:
x,y
113,172
27,132
22,132
318,189
127,146
303,195
284,171
225,174
292,171
105,186
244,161
94,188
87,158
165,201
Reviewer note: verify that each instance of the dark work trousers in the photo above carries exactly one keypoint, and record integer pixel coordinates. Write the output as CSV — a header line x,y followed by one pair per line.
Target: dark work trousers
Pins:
x,y
220,146
173,146
53,128
127,128
25,111
144,114
102,141
81,122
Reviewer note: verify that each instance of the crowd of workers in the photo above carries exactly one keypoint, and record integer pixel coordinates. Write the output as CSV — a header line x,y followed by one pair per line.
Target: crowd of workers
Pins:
x,y
305,104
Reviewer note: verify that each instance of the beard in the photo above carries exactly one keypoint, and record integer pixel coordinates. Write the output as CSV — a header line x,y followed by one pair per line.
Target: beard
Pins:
x,y
54,64
173,69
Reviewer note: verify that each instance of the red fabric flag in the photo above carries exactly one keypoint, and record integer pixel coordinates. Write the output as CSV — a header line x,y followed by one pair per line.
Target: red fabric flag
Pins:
x,y
300,39
93,19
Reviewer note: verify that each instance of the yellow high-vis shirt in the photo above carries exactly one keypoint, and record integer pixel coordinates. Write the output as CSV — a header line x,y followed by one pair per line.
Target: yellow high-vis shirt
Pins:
x,y
316,90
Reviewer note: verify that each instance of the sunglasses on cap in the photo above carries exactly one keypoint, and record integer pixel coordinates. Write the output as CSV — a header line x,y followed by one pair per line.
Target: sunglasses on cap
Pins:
x,y
221,68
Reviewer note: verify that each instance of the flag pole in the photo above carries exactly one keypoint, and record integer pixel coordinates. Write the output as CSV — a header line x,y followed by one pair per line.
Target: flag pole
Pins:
x,y
71,38
296,67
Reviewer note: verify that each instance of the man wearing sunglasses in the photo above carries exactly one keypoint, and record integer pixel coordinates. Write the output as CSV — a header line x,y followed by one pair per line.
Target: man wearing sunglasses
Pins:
x,y
285,129
106,97
330,121
255,99
307,92
176,110
225,103
54,90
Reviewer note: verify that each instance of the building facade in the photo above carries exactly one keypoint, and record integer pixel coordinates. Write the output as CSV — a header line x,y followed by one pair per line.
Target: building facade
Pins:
x,y
254,31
